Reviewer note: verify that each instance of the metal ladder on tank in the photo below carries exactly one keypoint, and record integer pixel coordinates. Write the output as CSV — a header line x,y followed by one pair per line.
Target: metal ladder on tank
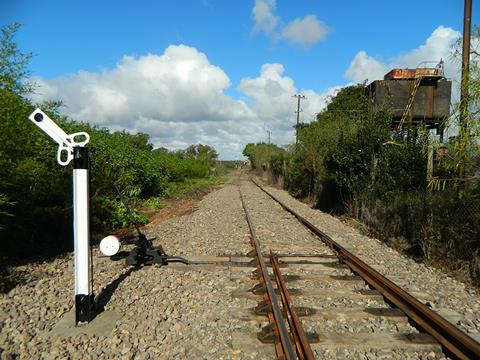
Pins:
x,y
416,85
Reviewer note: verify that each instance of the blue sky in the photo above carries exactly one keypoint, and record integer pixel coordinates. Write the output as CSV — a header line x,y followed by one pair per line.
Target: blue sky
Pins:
x,y
312,47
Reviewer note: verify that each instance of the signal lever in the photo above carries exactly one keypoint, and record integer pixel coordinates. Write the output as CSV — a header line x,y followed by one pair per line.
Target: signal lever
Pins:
x,y
144,252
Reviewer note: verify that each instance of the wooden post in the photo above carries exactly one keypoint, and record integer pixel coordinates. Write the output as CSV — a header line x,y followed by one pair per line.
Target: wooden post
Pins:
x,y
463,132
429,164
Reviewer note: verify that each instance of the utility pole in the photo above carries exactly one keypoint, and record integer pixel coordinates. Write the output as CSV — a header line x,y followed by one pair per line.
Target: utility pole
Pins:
x,y
463,121
429,164
299,97
268,148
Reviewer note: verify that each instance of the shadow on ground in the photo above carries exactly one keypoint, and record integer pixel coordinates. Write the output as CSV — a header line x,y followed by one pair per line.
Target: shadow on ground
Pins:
x,y
106,294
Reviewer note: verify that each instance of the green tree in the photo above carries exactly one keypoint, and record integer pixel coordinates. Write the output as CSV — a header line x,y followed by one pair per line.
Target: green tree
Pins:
x,y
201,152
140,140
262,155
13,70
248,151
13,63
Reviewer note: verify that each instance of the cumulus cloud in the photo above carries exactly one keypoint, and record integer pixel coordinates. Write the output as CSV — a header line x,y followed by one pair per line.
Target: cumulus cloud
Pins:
x,y
437,46
270,91
272,94
365,67
179,85
263,15
307,31
43,90
179,99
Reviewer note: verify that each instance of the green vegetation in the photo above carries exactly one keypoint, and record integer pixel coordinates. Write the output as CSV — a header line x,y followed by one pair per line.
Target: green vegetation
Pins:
x,y
224,167
35,192
155,203
352,160
261,154
193,186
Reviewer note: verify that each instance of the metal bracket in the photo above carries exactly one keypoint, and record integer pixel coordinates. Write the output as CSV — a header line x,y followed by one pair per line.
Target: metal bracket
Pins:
x,y
268,335
65,142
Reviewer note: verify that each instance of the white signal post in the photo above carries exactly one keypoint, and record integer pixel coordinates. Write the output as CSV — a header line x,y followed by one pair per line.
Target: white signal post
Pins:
x,y
68,150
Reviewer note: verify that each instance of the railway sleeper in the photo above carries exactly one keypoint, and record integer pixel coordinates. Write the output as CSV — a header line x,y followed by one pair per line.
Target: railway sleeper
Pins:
x,y
263,308
259,289
268,335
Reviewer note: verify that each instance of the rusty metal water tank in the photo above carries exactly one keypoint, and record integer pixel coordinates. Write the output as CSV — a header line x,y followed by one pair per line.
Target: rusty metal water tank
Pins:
x,y
431,99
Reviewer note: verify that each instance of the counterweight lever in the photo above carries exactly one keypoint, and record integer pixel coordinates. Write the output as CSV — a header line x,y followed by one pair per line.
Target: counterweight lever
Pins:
x,y
144,252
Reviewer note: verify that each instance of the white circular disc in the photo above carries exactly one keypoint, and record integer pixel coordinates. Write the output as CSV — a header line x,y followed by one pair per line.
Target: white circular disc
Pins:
x,y
109,245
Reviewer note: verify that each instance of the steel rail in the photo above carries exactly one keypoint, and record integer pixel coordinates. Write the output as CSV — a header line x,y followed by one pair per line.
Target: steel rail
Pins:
x,y
286,349
452,338
304,351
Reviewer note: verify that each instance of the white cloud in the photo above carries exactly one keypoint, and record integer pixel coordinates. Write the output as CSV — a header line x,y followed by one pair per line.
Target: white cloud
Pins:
x,y
263,15
437,46
179,99
179,85
43,90
272,93
307,31
365,67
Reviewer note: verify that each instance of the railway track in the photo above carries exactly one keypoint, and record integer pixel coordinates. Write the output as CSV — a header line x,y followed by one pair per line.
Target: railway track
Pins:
x,y
323,302
286,346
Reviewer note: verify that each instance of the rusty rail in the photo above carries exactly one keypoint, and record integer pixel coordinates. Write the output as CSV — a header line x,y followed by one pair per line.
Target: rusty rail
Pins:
x,y
449,336
304,351
283,348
